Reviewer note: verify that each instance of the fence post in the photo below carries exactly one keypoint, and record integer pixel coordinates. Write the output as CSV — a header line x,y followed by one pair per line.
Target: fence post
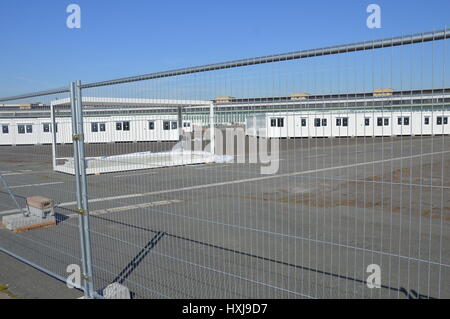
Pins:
x,y
180,124
53,126
212,128
81,186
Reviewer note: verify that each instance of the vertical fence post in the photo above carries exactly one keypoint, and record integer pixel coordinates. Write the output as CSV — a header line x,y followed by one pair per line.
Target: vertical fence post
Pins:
x,y
75,138
81,186
212,127
52,115
180,124
84,192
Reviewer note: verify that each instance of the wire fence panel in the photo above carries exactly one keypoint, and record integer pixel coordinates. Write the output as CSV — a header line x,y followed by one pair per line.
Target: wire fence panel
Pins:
x,y
318,175
49,242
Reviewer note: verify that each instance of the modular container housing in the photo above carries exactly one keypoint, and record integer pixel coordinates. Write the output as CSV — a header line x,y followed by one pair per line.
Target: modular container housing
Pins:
x,y
98,129
349,123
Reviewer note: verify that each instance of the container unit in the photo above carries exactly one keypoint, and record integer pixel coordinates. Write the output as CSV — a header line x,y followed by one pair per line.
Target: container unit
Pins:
x,y
110,129
369,123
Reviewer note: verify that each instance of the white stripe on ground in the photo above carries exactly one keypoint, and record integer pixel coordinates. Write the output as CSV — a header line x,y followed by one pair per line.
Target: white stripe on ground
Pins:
x,y
247,180
128,175
26,172
33,185
129,207
320,155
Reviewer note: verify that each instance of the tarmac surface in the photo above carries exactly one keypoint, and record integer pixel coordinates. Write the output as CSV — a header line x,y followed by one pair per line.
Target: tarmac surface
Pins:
x,y
224,230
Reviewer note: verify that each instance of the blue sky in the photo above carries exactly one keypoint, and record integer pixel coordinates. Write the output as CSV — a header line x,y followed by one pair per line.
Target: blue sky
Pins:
x,y
123,38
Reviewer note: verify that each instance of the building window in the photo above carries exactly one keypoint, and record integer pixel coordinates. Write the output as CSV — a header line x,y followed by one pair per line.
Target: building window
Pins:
x,y
166,125
342,121
94,127
445,120
126,126
386,121
403,120
439,120
118,126
102,127
174,125
46,127
25,128
186,124
345,121
273,122
324,122
5,129
380,121
151,125
280,122
367,121
303,122
427,120
317,122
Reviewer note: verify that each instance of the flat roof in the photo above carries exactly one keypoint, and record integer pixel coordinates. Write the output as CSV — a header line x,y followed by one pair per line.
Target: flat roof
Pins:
x,y
135,102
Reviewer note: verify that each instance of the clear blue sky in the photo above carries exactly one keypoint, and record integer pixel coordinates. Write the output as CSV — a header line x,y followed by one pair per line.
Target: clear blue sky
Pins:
x,y
123,38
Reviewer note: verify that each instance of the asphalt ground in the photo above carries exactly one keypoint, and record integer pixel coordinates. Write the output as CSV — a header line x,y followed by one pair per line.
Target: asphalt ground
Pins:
x,y
334,207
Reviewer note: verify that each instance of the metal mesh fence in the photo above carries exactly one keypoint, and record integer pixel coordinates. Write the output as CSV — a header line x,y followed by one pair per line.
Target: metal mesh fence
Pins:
x,y
318,175
26,170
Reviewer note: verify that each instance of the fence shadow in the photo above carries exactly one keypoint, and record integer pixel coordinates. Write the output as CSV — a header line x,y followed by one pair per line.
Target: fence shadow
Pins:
x,y
136,261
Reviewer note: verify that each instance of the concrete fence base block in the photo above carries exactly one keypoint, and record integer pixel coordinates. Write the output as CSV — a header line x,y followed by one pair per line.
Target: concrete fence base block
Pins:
x,y
116,291
19,222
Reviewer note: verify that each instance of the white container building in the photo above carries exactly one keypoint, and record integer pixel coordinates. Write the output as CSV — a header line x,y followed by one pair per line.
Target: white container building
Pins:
x,y
105,129
348,123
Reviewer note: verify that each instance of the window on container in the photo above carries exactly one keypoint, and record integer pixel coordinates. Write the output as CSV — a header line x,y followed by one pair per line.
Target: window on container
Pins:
x,y
324,122
151,125
46,127
316,122
380,121
367,121
118,126
338,122
345,121
280,122
126,126
426,120
29,128
386,121
399,121
303,122
406,120
102,127
273,122
445,120
5,129
174,125
94,127
439,120
166,125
